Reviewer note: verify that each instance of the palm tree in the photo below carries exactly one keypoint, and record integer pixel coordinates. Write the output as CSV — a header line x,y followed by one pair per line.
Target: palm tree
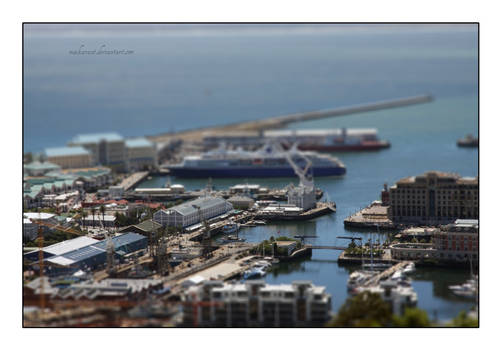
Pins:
x,y
82,216
102,210
93,212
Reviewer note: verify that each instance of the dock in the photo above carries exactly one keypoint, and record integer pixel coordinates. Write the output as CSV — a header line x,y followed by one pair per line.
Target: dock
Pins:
x,y
372,217
133,179
385,274
322,208
281,121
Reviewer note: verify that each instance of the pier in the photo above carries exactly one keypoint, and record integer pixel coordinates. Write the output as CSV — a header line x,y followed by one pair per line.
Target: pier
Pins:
x,y
133,179
385,274
281,121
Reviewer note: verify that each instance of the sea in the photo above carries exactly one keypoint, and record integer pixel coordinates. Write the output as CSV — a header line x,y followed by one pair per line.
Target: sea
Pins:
x,y
150,79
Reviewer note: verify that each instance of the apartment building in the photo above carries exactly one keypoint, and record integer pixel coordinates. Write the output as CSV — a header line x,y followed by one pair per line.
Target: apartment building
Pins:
x,y
255,303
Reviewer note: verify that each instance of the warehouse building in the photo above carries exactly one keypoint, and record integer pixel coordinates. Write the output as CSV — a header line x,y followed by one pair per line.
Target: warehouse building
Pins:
x,y
69,157
105,148
93,256
141,154
62,247
192,212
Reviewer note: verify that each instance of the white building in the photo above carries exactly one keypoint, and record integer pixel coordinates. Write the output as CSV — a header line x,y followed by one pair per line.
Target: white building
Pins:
x,y
105,148
69,157
141,153
302,196
192,212
255,303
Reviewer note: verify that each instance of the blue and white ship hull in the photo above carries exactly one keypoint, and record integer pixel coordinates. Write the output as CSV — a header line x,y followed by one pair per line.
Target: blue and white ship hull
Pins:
x,y
248,172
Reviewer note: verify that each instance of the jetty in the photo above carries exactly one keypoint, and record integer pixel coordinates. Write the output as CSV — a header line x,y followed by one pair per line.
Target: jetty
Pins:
x,y
385,274
281,121
133,179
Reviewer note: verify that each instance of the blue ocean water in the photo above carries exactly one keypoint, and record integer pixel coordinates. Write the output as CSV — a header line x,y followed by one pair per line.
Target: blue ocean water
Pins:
x,y
183,77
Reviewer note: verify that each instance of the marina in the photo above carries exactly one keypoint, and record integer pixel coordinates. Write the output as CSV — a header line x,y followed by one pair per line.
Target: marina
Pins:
x,y
224,216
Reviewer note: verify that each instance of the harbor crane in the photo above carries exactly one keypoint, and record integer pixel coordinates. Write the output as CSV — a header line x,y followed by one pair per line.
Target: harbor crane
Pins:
x,y
206,237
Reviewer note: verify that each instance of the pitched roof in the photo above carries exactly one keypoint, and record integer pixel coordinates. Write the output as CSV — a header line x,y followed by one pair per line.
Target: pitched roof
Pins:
x,y
65,151
96,138
138,142
148,226
191,207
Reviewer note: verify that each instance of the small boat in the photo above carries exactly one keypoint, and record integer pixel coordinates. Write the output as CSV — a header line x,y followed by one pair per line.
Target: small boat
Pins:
x,y
376,266
254,273
231,227
469,289
259,222
357,279
410,268
232,238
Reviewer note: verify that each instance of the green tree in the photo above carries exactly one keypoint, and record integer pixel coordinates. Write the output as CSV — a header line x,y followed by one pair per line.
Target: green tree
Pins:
x,y
102,210
413,317
93,213
364,310
463,320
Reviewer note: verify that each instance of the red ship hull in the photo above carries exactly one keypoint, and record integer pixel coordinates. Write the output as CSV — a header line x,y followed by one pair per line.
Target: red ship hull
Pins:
x,y
364,146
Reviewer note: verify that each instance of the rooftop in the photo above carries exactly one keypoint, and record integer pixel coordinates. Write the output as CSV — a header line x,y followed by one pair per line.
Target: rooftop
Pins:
x,y
38,216
41,166
65,151
138,142
96,138
191,207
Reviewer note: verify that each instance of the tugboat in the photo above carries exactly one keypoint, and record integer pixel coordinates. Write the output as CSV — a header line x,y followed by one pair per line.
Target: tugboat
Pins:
x,y
468,141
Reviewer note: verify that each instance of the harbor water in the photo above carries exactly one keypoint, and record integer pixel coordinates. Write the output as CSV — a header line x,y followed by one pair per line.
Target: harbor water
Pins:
x,y
416,148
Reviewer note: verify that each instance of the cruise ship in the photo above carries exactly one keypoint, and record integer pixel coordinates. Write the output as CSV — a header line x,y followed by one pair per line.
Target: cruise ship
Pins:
x,y
269,161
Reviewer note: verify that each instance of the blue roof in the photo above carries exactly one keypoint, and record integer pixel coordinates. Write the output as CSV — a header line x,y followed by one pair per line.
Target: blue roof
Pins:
x,y
96,138
119,242
65,151
139,142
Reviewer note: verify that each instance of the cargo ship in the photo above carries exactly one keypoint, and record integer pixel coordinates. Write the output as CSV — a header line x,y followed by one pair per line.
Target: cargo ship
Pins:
x,y
321,140
269,161
468,141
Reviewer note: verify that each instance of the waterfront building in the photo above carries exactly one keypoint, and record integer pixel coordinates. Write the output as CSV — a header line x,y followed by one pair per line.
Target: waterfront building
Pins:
x,y
40,168
255,303
302,196
105,148
69,157
94,255
458,241
241,202
192,212
62,247
452,243
141,154
434,198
